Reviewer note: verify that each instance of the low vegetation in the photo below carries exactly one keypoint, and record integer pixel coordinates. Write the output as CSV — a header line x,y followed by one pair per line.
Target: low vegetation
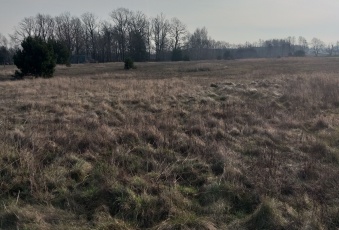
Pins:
x,y
35,58
251,144
129,64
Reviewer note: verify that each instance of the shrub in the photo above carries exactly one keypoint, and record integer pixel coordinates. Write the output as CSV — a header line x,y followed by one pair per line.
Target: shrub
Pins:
x,y
177,55
129,63
137,47
17,75
227,55
186,58
299,53
4,55
61,52
36,58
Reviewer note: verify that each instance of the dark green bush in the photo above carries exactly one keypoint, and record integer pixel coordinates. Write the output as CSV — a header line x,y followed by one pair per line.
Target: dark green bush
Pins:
x,y
36,58
4,55
129,63
61,52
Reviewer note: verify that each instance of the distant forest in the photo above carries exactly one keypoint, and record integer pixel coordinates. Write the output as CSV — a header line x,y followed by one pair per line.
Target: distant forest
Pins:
x,y
135,35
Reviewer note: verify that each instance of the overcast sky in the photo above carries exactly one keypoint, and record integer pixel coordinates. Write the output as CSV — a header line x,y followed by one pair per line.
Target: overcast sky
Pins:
x,y
234,21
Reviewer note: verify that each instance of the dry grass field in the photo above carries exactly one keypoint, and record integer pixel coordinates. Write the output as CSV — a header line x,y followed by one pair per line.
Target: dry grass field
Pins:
x,y
246,144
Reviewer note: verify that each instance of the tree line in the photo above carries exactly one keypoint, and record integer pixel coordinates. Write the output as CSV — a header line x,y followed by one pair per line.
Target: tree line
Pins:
x,y
135,35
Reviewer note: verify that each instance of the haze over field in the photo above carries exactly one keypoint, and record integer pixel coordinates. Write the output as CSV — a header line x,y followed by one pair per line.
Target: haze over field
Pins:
x,y
231,21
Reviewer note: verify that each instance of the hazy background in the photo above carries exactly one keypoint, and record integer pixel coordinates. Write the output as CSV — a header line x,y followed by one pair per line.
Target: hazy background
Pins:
x,y
234,21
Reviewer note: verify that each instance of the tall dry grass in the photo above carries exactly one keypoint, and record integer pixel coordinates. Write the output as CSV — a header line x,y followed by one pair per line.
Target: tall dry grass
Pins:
x,y
238,145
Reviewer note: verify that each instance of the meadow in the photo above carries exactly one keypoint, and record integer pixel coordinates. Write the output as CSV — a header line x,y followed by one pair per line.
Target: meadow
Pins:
x,y
241,144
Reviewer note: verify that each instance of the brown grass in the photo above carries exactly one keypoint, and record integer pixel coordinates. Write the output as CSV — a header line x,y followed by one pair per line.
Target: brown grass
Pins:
x,y
188,145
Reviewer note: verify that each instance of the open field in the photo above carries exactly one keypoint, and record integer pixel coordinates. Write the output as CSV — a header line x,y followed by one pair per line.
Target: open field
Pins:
x,y
250,144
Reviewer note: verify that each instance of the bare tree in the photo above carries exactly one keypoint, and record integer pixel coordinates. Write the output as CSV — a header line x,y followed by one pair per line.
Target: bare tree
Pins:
x,y
26,28
199,42
330,49
138,36
219,48
106,42
44,26
3,41
121,18
291,42
302,42
149,39
160,30
337,48
65,26
4,53
90,25
138,22
178,33
78,36
317,46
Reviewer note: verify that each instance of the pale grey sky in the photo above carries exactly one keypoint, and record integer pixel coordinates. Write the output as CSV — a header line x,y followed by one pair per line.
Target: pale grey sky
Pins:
x,y
234,21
